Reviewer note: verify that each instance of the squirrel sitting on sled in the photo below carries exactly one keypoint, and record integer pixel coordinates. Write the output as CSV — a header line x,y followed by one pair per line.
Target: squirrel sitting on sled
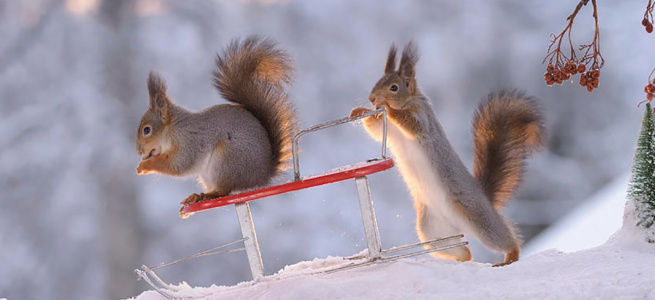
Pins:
x,y
229,146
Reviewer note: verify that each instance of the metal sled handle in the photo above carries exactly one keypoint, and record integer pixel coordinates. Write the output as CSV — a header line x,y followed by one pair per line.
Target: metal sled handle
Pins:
x,y
296,138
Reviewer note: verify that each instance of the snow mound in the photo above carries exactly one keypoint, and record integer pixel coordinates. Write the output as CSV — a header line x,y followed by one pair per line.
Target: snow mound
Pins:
x,y
619,269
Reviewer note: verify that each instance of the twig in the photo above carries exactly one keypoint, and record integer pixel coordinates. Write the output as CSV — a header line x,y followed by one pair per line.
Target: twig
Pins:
x,y
647,22
561,67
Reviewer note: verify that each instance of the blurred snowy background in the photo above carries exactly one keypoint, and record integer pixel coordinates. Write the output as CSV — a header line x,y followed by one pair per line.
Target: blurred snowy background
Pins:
x,y
75,220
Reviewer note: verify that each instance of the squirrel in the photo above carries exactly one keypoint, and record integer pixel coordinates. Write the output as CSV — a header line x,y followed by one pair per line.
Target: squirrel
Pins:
x,y
448,199
229,147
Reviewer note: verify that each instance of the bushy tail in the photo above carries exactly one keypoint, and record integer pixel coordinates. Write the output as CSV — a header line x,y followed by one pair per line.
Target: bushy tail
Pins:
x,y
507,127
253,73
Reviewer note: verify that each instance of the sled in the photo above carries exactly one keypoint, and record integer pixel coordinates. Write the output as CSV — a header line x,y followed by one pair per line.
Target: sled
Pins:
x,y
358,172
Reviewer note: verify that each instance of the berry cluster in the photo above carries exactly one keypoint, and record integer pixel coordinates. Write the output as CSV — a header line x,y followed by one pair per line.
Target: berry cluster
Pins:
x,y
647,24
649,89
558,73
562,66
590,79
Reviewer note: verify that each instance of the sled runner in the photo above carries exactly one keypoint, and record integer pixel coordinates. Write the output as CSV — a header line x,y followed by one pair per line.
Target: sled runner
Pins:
x,y
358,172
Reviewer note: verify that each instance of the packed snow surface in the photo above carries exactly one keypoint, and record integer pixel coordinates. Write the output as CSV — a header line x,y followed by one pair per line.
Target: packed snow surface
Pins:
x,y
622,268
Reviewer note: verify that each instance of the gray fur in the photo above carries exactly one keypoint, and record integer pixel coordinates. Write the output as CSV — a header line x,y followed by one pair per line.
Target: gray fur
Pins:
x,y
465,192
247,150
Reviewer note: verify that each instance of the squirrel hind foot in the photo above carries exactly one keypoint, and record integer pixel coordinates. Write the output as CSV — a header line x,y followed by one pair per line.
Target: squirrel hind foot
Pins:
x,y
510,257
183,214
194,198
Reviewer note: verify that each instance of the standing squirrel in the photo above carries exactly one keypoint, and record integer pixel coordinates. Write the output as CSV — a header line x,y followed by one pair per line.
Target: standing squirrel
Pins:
x,y
449,200
229,146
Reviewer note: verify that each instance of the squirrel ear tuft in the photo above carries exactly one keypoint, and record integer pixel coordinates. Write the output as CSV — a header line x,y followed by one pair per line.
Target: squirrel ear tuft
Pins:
x,y
391,60
158,100
156,84
408,61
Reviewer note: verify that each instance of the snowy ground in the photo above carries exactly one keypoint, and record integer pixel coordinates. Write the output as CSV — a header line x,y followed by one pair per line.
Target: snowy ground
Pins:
x,y
622,268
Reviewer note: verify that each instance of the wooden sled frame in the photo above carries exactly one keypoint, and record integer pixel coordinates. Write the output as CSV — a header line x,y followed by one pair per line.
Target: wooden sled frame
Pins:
x,y
357,171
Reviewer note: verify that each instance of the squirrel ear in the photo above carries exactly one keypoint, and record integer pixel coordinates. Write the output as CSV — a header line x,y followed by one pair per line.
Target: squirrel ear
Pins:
x,y
158,100
408,61
156,86
161,106
391,60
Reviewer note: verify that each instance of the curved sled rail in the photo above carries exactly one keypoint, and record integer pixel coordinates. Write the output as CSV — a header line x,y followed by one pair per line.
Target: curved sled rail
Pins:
x,y
148,274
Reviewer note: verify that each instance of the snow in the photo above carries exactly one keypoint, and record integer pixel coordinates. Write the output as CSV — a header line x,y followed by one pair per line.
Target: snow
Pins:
x,y
621,268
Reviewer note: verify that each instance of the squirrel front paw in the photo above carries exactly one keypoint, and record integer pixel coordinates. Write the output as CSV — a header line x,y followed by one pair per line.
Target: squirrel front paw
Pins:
x,y
145,167
358,111
156,164
140,170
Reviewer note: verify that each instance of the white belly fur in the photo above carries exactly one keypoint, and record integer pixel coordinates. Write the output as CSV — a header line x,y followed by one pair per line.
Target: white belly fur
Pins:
x,y
425,185
206,174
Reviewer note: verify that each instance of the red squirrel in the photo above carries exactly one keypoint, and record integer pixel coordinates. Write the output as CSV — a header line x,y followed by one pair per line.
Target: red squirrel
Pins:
x,y
229,146
449,200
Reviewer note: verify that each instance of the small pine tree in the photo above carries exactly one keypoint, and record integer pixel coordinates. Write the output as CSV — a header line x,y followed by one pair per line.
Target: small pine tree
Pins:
x,y
642,185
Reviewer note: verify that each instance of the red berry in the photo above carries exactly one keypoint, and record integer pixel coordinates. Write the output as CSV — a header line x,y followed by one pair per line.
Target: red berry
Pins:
x,y
581,68
573,70
596,73
649,96
649,28
650,88
550,68
645,22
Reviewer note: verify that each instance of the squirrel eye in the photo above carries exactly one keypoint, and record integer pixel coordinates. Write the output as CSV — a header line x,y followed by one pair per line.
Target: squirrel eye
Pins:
x,y
146,130
393,88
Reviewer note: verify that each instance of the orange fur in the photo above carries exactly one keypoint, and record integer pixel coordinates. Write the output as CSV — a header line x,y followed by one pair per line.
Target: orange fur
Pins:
x,y
405,120
161,163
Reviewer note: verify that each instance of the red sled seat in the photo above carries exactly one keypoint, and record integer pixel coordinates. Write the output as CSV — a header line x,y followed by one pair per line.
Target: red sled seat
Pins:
x,y
335,175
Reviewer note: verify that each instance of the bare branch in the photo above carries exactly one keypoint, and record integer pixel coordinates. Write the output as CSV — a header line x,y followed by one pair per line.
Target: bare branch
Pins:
x,y
561,67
